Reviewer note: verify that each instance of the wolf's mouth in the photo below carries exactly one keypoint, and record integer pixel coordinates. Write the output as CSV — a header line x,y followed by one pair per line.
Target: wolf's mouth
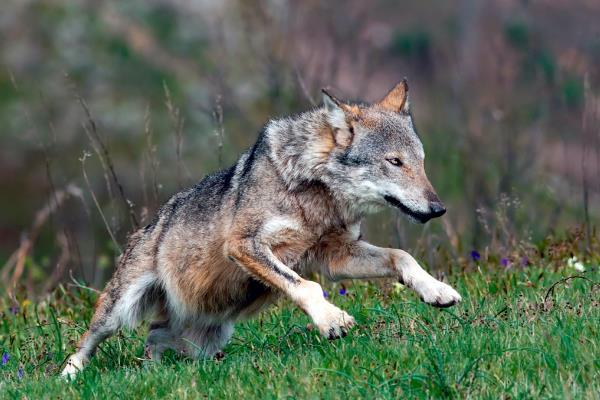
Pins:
x,y
419,216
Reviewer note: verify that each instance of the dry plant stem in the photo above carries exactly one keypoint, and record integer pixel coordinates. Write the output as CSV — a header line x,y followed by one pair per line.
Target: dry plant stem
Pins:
x,y
102,160
89,186
399,231
178,122
61,264
220,129
451,234
302,85
6,268
102,152
74,246
151,155
145,200
550,290
587,122
20,255
79,285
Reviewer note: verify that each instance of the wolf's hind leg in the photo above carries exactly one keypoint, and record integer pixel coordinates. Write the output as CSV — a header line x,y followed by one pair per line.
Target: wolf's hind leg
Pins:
x,y
202,341
161,337
123,303
103,325
207,340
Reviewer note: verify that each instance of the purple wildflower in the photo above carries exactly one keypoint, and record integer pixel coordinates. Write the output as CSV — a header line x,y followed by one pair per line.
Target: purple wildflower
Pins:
x,y
343,292
475,255
20,373
524,261
5,358
14,310
325,294
505,262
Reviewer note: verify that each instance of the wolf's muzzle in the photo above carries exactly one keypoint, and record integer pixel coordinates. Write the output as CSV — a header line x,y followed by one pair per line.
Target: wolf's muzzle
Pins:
x,y
436,209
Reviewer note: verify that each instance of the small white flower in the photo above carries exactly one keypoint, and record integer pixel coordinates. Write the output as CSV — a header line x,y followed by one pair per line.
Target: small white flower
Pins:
x,y
579,266
573,262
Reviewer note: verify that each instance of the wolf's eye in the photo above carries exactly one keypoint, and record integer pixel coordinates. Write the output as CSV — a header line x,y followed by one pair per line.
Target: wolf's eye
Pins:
x,y
395,161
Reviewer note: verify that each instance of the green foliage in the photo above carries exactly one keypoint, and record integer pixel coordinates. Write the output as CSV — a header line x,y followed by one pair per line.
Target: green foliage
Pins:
x,y
7,91
572,91
135,72
488,127
119,56
546,63
513,336
539,63
414,44
163,21
118,49
517,34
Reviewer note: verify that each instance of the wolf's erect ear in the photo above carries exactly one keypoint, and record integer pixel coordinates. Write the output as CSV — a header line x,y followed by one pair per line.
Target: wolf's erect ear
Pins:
x,y
330,101
338,115
397,99
335,112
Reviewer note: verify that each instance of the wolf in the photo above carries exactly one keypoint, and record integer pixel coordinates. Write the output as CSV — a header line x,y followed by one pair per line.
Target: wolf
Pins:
x,y
291,205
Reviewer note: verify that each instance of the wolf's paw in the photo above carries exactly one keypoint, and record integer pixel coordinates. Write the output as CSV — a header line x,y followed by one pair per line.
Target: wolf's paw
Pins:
x,y
334,323
152,352
439,294
74,365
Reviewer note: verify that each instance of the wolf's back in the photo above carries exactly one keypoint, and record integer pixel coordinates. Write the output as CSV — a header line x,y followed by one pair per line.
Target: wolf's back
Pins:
x,y
196,204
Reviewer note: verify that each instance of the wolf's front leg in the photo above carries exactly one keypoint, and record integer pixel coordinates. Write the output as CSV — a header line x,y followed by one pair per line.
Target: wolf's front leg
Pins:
x,y
358,259
331,321
256,258
431,291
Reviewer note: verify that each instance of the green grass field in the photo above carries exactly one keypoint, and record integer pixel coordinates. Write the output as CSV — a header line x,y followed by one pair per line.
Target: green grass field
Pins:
x,y
512,337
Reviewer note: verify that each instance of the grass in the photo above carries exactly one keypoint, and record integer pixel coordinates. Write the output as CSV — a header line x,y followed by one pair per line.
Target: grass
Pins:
x,y
512,337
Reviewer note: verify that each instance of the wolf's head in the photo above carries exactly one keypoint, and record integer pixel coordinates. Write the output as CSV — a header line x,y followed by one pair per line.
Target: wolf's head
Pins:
x,y
378,157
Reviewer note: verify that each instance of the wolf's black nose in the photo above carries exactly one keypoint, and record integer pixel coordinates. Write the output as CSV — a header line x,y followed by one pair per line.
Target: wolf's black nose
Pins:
x,y
437,209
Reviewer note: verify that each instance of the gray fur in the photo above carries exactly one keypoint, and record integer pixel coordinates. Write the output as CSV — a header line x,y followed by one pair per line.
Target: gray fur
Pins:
x,y
222,249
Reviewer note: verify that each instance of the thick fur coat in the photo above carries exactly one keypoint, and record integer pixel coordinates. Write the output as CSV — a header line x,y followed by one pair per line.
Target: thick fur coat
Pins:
x,y
226,247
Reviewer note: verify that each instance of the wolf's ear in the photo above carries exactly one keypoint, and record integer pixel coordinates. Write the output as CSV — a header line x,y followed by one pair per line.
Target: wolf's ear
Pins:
x,y
335,112
397,99
338,115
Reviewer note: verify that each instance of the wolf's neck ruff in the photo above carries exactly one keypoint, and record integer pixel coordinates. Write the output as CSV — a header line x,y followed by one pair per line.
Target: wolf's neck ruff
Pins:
x,y
304,149
300,146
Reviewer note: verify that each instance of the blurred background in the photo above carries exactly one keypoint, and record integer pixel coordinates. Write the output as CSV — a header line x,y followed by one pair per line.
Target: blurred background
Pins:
x,y
108,107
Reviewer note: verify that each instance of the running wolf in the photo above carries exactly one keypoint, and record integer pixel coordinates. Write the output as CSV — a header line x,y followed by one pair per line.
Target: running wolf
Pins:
x,y
291,205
